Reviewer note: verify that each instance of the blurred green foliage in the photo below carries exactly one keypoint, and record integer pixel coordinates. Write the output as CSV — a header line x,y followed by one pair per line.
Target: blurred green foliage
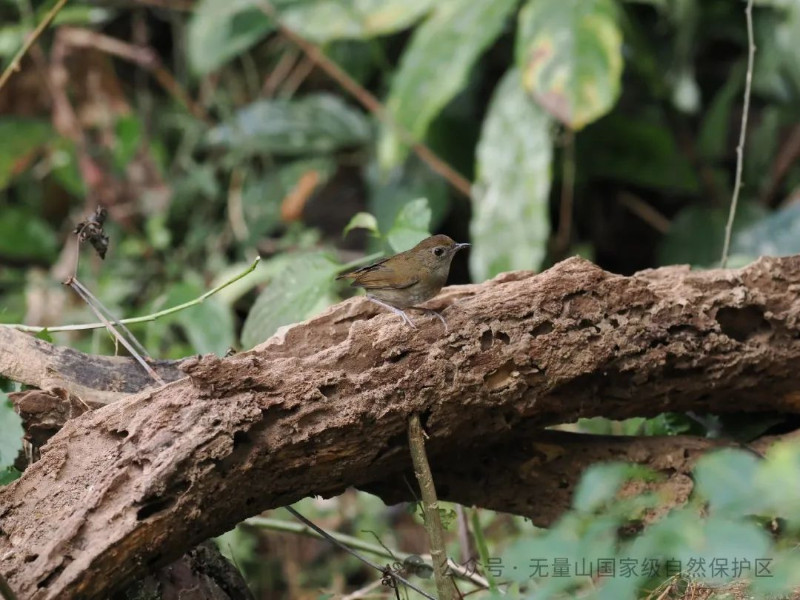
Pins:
x,y
272,157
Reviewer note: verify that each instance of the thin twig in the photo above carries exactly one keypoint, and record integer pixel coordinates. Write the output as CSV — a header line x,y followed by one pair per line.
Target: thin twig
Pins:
x,y
366,561
433,520
359,544
297,76
285,65
81,291
364,591
751,52
14,65
786,158
110,317
143,56
464,538
370,102
645,212
567,194
142,319
483,550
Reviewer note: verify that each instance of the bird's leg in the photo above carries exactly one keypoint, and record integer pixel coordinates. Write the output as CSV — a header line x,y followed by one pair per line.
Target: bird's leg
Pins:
x,y
437,314
396,311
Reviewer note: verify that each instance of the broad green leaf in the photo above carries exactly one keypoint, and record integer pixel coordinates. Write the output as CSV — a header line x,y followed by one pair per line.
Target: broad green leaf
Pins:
x,y
638,150
10,432
569,52
24,235
208,325
510,219
21,138
300,290
362,220
713,139
389,192
697,234
8,475
326,20
598,486
262,197
314,124
128,139
781,465
726,479
220,30
600,483
435,67
775,235
777,67
411,226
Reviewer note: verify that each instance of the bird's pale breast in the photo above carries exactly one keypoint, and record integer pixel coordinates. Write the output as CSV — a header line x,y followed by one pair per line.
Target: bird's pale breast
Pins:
x,y
404,298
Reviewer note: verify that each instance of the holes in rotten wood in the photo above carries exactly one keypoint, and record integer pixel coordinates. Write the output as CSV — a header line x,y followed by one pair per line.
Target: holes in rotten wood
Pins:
x,y
154,507
542,328
488,337
397,356
742,324
51,577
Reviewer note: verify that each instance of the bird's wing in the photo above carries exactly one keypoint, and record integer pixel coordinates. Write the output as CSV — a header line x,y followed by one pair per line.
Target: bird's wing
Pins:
x,y
378,275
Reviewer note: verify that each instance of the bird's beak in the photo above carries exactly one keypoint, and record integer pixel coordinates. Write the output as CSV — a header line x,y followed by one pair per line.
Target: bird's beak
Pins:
x,y
461,246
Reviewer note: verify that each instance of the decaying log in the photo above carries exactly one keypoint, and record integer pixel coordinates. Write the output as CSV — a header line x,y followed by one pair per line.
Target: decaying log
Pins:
x,y
96,380
323,405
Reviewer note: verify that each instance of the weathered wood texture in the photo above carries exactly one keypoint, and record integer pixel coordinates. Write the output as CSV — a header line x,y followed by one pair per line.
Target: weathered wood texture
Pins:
x,y
324,405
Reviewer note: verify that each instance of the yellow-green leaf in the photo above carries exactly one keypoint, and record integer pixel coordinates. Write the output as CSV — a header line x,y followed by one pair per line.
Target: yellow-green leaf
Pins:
x,y
569,52
435,66
510,213
327,20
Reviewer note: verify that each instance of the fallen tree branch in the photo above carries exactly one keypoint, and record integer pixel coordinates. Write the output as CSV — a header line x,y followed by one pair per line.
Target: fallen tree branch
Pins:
x,y
96,380
324,405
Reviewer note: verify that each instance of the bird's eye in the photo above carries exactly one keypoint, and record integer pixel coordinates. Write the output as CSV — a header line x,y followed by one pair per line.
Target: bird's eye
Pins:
x,y
438,251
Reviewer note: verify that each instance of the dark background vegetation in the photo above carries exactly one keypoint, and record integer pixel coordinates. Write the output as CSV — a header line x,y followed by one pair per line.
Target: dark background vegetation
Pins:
x,y
594,127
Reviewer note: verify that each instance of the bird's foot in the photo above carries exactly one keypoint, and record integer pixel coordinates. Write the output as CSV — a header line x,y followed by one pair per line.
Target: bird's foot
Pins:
x,y
395,310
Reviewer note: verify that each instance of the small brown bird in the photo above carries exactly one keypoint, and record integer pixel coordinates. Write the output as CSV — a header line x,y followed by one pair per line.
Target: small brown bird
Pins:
x,y
409,278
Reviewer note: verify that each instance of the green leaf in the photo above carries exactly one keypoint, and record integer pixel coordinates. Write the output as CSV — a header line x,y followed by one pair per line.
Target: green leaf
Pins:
x,y
389,193
21,138
209,325
726,479
128,139
318,123
775,235
600,483
262,197
8,475
220,30
24,235
411,225
776,484
777,66
362,220
435,67
639,150
713,139
697,234
300,290
11,432
326,20
510,221
569,52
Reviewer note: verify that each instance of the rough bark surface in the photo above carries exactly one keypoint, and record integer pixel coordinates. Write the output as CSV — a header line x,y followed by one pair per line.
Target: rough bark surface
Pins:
x,y
324,405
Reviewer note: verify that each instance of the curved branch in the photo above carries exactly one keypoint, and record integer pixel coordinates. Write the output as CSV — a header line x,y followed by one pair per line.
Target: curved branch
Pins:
x,y
324,404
